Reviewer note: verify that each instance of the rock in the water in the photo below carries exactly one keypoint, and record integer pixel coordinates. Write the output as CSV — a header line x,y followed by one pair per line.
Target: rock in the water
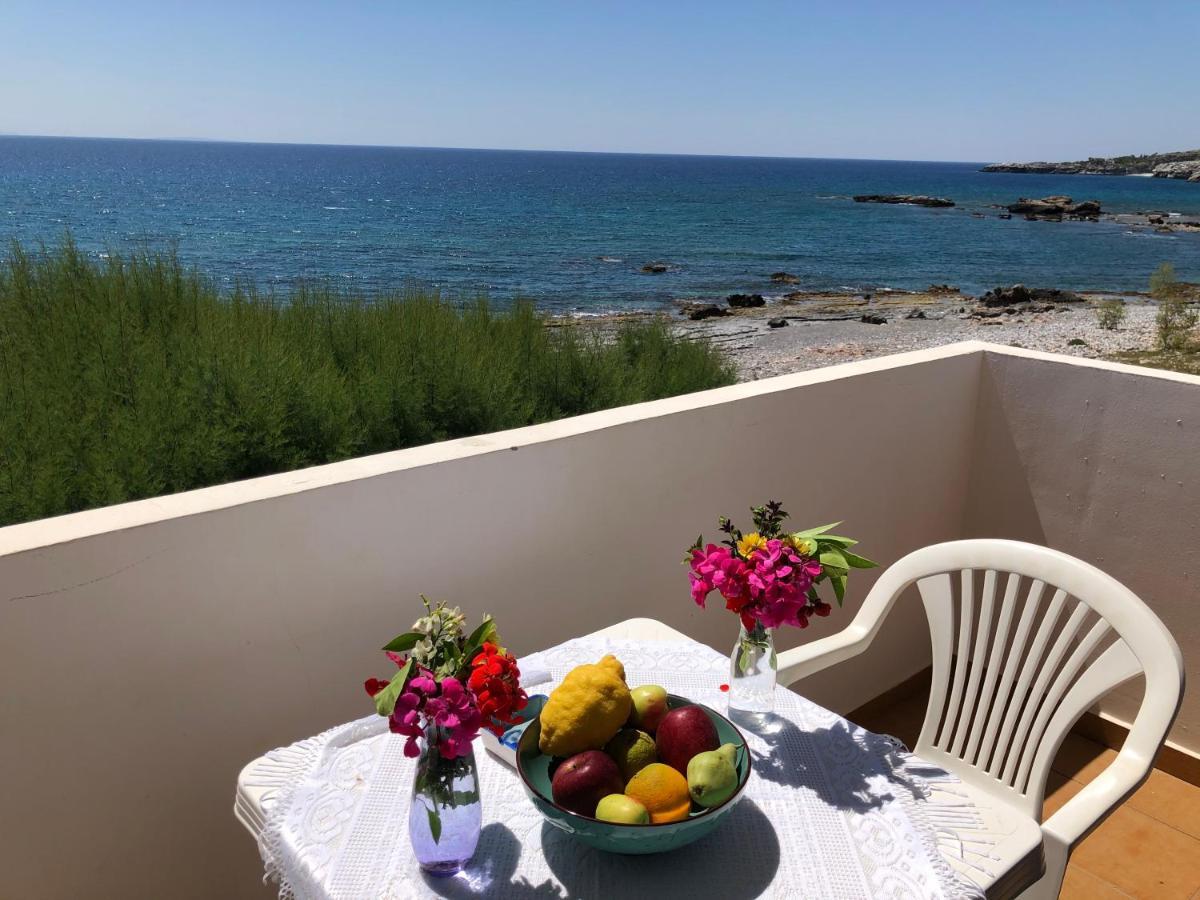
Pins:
x,y
777,323
873,319
1055,207
655,268
785,278
745,301
1018,294
1005,215
699,311
912,199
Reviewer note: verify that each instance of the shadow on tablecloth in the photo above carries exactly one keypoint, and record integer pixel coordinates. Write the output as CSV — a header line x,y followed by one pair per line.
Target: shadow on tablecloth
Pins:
x,y
838,764
737,862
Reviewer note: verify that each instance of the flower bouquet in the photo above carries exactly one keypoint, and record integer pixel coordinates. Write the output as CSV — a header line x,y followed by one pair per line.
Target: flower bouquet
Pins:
x,y
449,685
769,577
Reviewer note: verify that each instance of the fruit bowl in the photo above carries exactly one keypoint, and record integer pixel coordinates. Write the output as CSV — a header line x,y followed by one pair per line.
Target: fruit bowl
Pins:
x,y
536,770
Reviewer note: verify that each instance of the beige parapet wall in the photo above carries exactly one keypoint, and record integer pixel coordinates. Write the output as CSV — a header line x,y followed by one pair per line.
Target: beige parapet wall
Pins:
x,y
148,650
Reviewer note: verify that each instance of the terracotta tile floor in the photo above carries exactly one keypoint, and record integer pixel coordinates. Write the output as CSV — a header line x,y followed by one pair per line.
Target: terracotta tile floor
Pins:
x,y
1150,845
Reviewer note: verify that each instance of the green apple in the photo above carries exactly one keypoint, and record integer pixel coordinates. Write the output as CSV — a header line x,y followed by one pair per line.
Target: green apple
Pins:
x,y
712,776
622,809
649,707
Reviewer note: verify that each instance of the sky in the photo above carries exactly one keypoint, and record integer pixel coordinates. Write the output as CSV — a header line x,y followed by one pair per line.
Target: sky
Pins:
x,y
903,79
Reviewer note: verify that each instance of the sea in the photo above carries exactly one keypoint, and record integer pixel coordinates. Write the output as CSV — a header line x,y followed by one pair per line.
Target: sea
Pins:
x,y
571,231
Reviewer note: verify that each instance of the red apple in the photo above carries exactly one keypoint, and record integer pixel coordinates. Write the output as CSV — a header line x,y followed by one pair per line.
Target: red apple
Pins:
x,y
682,734
581,781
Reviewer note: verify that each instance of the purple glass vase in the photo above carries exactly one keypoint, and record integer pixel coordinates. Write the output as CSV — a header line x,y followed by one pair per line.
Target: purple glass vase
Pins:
x,y
446,815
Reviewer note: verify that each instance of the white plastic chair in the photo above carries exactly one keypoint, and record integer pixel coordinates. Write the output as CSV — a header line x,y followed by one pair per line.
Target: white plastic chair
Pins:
x,y
1012,672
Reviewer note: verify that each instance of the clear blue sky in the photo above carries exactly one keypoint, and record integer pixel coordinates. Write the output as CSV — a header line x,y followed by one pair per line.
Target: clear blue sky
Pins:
x,y
901,79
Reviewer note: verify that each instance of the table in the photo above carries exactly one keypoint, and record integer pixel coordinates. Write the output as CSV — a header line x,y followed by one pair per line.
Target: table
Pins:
x,y
256,789
903,851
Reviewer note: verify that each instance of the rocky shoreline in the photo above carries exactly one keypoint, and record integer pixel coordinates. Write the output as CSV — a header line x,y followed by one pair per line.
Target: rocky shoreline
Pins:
x,y
1184,164
803,330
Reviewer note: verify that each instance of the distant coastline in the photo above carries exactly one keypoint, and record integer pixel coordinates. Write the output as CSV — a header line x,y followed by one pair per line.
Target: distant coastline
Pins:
x,y
1182,164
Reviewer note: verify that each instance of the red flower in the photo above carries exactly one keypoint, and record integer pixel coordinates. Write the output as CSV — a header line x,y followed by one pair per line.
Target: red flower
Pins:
x,y
375,685
495,681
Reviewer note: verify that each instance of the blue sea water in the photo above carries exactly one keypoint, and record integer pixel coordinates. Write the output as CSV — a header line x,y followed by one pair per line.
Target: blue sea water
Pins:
x,y
572,230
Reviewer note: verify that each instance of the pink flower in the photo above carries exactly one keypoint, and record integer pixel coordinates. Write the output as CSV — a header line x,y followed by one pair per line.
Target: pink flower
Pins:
x,y
718,568
447,707
456,716
779,582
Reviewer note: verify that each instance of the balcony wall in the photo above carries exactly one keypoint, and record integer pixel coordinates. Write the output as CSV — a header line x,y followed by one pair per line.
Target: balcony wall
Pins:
x,y
1101,461
148,650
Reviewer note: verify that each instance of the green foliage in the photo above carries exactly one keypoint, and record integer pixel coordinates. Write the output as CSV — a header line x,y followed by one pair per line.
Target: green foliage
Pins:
x,y
1175,319
135,377
1174,322
1163,283
1110,314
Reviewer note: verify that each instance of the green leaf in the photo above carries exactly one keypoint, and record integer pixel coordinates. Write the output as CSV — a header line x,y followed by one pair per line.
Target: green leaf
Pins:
x,y
813,532
858,562
834,559
435,823
839,587
385,700
403,642
474,643
836,539
484,633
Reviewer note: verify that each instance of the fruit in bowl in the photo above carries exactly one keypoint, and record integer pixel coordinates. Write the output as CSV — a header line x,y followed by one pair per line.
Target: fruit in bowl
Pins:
x,y
658,806
581,782
682,734
586,710
649,707
632,751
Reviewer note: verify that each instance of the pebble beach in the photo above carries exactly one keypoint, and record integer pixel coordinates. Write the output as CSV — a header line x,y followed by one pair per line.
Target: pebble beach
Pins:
x,y
826,329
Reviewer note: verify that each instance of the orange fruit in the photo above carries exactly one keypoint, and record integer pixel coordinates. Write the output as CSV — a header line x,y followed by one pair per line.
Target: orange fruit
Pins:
x,y
663,791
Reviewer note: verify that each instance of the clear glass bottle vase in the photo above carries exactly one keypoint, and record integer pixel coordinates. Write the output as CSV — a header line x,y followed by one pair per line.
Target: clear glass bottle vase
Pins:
x,y
446,815
753,671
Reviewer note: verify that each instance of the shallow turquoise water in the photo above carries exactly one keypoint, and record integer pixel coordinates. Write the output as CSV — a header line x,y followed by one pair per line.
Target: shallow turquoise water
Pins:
x,y
572,230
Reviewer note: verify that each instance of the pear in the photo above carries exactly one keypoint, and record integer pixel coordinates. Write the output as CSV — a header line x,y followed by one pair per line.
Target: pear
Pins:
x,y
712,776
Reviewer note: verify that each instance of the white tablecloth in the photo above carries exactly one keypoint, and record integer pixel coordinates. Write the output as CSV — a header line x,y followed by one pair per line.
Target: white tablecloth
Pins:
x,y
830,812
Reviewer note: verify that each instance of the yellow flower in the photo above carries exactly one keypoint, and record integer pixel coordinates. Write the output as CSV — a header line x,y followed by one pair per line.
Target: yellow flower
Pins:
x,y
751,542
805,546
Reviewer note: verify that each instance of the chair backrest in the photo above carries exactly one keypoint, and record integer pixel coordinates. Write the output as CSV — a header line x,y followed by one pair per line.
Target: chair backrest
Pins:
x,y
1024,640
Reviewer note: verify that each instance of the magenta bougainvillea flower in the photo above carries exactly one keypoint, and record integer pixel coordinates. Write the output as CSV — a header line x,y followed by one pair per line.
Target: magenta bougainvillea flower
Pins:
x,y
769,577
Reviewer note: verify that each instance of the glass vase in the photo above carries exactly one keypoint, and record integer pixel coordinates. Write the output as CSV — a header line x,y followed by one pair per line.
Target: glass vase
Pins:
x,y
445,816
753,670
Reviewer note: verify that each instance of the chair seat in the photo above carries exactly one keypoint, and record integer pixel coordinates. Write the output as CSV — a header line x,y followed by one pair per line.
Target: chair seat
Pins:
x,y
995,847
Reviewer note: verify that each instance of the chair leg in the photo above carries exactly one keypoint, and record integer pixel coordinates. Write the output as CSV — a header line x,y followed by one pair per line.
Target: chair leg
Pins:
x,y
1048,886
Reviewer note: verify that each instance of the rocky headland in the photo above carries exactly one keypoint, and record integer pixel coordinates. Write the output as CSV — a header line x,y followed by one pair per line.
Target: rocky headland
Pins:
x,y
1182,164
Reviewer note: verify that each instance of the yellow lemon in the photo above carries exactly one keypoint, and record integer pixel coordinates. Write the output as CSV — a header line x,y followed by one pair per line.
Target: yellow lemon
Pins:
x,y
586,710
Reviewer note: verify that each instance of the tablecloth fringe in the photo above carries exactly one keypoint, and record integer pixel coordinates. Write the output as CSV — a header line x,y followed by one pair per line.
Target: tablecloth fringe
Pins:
x,y
939,821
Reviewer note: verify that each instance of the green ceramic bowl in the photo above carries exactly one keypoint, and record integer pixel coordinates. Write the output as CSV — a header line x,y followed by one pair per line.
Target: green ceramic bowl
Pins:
x,y
535,769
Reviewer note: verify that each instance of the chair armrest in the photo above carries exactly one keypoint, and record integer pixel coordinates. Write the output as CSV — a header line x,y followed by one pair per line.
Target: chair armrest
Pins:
x,y
1090,806
800,662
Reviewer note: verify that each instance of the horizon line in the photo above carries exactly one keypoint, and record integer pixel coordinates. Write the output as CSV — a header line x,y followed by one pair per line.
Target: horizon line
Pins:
x,y
206,140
